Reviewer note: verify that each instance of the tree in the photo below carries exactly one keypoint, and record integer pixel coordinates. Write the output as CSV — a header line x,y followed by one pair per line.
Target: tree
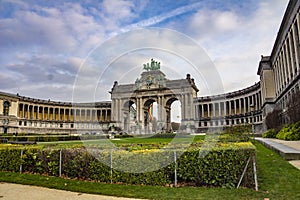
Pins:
x,y
293,108
273,120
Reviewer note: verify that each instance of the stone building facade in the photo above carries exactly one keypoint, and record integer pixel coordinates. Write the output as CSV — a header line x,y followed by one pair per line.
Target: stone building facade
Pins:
x,y
279,79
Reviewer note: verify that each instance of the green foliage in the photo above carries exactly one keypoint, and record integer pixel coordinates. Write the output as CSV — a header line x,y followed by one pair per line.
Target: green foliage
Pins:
x,y
271,133
10,159
52,138
289,132
221,167
123,136
164,135
238,129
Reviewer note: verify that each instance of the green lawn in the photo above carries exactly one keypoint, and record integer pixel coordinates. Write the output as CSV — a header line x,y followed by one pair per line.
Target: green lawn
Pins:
x,y
277,180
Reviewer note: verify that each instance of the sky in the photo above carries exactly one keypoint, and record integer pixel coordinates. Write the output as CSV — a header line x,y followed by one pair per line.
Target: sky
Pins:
x,y
75,50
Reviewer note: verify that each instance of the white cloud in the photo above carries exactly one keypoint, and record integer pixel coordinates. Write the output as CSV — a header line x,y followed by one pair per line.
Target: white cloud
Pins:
x,y
235,41
55,40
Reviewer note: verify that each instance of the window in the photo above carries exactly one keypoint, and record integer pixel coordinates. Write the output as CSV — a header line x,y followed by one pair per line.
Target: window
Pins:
x,y
6,105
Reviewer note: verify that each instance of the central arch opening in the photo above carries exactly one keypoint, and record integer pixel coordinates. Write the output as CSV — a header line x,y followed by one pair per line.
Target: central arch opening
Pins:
x,y
151,116
173,115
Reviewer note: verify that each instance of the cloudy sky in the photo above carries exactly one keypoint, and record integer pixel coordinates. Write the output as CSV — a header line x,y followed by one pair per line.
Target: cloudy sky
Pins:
x,y
48,49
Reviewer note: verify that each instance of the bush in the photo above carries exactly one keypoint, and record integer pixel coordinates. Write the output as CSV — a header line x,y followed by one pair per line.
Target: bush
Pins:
x,y
221,167
289,132
271,133
238,129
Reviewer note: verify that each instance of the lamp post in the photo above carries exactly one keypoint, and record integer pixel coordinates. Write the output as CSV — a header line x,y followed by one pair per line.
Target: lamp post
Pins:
x,y
252,112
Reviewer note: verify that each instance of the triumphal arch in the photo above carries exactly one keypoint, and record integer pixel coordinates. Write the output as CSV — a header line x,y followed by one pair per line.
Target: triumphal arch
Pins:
x,y
131,103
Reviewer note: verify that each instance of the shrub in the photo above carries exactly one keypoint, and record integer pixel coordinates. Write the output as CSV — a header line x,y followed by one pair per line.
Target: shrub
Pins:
x,y
289,132
271,133
238,129
221,166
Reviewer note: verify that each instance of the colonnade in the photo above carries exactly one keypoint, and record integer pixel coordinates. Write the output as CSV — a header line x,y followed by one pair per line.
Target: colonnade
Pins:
x,y
46,113
230,110
230,107
286,59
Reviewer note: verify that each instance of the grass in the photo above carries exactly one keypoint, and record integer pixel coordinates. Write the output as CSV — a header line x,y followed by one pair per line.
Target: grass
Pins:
x,y
277,180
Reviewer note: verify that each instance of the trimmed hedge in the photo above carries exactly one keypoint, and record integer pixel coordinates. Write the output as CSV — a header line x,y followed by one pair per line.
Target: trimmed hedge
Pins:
x,y
221,167
52,138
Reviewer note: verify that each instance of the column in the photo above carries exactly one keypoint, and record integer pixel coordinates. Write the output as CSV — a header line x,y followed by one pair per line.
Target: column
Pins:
x,y
214,110
288,56
58,114
202,110
240,106
234,103
101,114
295,46
28,112
282,71
292,53
208,110
277,80
220,113
186,106
105,114
244,105
225,108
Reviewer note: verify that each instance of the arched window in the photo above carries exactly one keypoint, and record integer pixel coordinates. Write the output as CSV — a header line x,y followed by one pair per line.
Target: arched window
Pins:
x,y
6,105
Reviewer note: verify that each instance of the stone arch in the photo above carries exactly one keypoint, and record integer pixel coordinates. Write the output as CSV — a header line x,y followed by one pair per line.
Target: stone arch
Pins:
x,y
6,105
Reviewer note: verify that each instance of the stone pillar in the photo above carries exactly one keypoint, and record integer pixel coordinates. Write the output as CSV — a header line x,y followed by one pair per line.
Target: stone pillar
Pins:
x,y
292,55
137,110
240,106
58,114
28,111
286,65
202,110
106,115
213,110
295,46
234,103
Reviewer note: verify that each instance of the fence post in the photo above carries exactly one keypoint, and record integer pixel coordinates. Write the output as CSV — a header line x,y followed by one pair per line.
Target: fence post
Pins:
x,y
60,162
255,174
111,166
21,161
175,170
